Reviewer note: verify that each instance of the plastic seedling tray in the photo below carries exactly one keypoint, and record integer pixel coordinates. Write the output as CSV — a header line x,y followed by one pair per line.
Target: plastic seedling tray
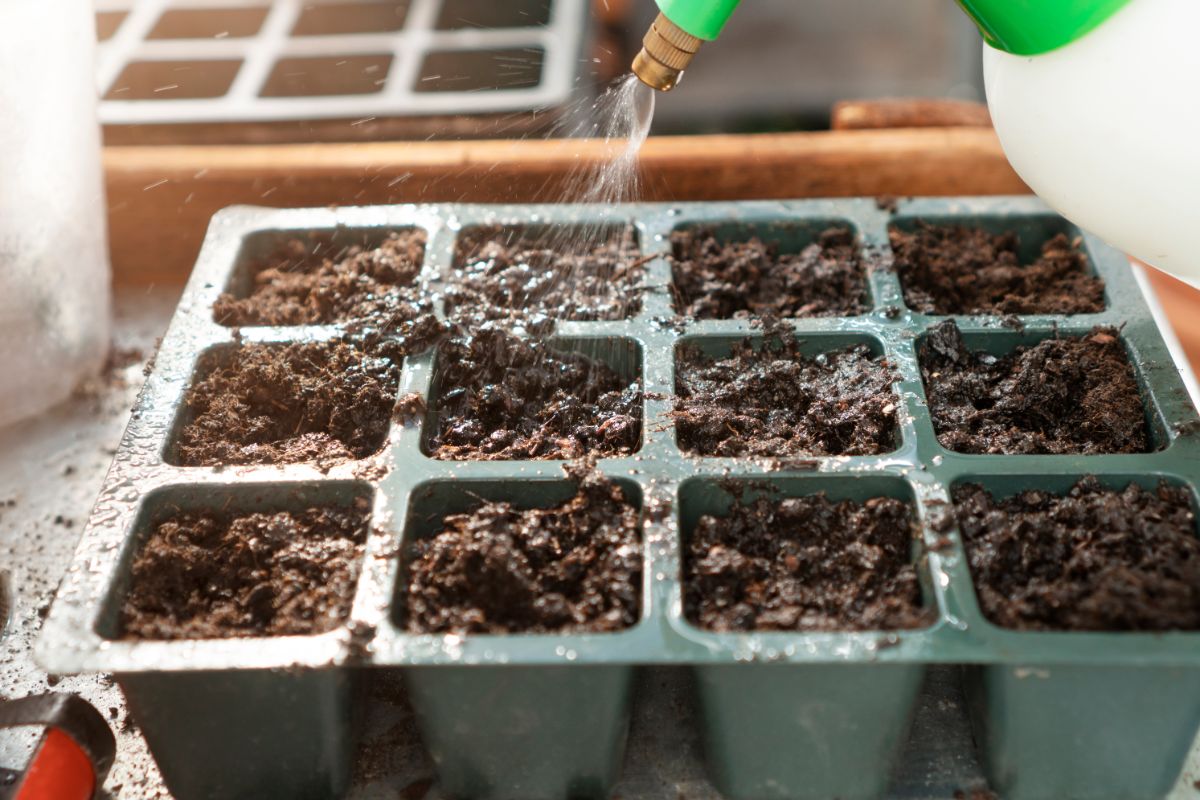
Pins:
x,y
531,715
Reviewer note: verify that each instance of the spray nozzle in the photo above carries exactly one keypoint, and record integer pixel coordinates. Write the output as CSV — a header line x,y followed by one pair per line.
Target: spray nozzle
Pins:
x,y
666,52
676,36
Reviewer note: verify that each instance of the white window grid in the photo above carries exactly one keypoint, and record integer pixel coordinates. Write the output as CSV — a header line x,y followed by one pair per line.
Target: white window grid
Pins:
x,y
561,41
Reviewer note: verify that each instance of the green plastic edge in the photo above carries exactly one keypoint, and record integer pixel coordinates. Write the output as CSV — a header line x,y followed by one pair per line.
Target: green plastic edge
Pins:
x,y
703,19
1032,27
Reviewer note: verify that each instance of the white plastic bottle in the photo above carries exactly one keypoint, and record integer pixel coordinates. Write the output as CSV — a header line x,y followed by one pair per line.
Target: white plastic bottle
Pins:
x,y
54,278
1105,127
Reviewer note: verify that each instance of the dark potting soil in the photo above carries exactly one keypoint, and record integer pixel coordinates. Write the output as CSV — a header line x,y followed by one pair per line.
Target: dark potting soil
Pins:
x,y
282,404
561,274
497,569
501,397
804,563
778,402
1094,559
1067,395
204,575
314,282
724,280
951,269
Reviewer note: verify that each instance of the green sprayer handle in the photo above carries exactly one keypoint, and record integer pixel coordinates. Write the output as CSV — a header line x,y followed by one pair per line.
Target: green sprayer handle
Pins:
x,y
1033,27
1024,27
703,19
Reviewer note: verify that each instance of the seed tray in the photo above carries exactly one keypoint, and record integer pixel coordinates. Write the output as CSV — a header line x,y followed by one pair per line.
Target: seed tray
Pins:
x,y
396,64
783,714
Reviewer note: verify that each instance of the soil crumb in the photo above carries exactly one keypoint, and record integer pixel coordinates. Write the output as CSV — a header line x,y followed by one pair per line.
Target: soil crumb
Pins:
x,y
204,575
1067,395
1095,559
888,203
564,273
313,281
777,402
502,397
282,404
804,563
951,269
726,280
498,569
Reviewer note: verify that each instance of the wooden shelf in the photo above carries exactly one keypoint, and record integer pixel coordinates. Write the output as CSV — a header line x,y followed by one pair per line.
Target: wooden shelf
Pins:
x,y
161,198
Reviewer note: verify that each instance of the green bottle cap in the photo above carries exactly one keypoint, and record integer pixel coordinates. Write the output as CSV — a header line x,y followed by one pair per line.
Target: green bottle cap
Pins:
x,y
1032,27
703,19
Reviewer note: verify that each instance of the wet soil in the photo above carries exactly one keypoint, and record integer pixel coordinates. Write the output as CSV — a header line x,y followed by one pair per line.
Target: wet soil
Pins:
x,y
501,397
804,563
778,402
950,269
282,404
1065,395
497,569
314,282
210,575
1094,559
563,274
726,280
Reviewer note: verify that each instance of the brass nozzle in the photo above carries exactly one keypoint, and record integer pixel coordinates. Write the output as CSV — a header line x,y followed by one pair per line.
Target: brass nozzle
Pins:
x,y
666,52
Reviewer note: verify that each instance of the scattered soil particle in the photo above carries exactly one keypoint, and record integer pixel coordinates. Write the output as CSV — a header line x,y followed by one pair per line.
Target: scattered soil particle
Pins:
x,y
1066,395
282,404
314,282
502,397
804,563
409,408
725,280
496,569
373,470
562,274
777,402
1094,559
113,375
204,575
950,269
676,324
119,358
888,203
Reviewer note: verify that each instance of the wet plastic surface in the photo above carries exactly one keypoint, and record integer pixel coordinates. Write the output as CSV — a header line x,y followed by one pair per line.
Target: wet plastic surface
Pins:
x,y
751,687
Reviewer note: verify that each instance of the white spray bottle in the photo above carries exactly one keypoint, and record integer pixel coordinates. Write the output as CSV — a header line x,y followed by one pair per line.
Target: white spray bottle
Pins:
x,y
1100,114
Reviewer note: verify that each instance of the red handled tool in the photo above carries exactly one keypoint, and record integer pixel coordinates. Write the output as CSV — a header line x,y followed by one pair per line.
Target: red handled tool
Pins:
x,y
73,757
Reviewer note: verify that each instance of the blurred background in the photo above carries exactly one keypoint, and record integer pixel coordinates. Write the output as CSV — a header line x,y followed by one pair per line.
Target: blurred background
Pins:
x,y
193,71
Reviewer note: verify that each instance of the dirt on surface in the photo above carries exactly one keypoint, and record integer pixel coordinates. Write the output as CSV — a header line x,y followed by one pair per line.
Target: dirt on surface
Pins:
x,y
1065,395
315,282
283,404
205,575
1094,559
501,397
778,402
498,569
726,280
804,563
562,274
951,269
